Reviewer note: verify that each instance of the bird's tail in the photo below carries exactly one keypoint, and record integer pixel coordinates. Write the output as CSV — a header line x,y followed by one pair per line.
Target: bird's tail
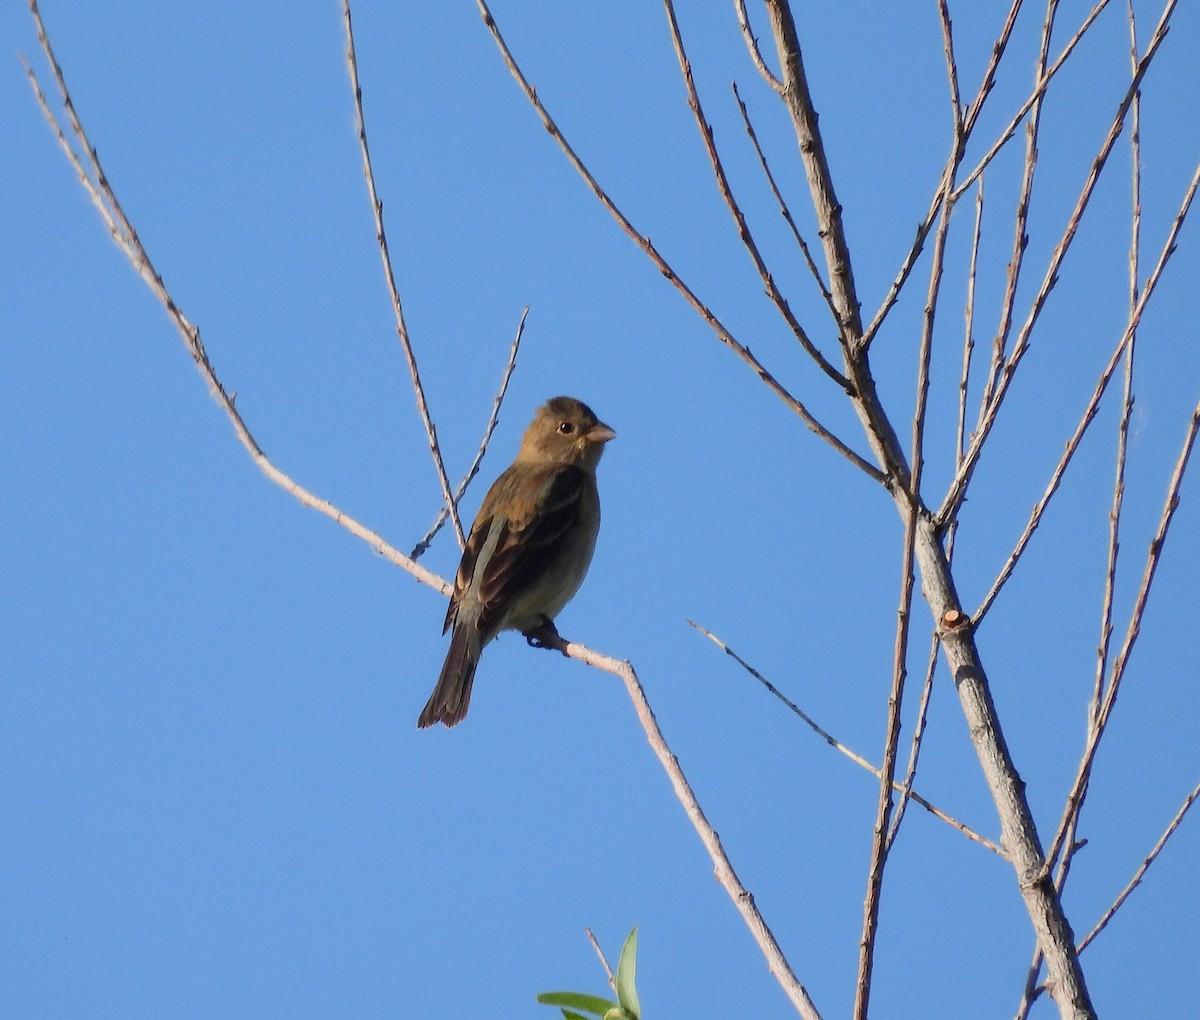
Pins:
x,y
452,695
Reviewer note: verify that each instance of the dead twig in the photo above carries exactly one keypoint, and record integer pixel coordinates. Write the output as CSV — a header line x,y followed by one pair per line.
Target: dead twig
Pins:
x,y
390,277
493,418
841,748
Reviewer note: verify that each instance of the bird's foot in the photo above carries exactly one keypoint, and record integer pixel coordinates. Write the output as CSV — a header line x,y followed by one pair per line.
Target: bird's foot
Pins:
x,y
546,635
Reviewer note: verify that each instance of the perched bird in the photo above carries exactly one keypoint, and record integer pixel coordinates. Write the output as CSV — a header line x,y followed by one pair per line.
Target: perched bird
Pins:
x,y
529,548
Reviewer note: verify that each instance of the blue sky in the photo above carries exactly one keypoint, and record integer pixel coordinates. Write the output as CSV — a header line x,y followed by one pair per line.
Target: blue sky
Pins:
x,y
216,802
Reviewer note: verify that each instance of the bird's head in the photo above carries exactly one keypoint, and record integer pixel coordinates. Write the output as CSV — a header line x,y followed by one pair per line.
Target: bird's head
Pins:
x,y
565,431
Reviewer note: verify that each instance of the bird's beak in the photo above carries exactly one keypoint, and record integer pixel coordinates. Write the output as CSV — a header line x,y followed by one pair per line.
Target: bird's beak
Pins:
x,y
599,433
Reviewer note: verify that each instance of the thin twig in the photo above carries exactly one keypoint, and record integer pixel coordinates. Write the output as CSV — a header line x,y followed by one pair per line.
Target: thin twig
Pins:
x,y
401,327
958,488
743,228
838,746
722,867
951,65
969,121
1039,89
493,418
1093,405
988,80
880,843
797,97
612,981
813,268
1153,557
914,750
104,197
1114,514
1020,242
968,329
644,243
752,45
1141,871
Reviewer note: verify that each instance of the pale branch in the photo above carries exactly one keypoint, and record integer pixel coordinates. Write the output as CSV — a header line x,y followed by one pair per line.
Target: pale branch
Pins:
x,y
988,81
751,40
1039,89
865,399
1020,220
968,329
969,121
104,197
928,317
722,867
783,206
1093,405
493,419
1138,875
1170,504
731,203
648,248
841,748
880,843
951,65
958,487
799,102
1114,514
390,277
1099,713
1032,989
612,981
915,744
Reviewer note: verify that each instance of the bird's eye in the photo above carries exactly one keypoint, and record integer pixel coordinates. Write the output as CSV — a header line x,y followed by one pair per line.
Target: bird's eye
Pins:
x,y
566,428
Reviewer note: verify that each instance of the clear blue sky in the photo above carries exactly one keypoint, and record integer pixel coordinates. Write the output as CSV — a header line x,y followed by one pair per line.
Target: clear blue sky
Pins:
x,y
215,801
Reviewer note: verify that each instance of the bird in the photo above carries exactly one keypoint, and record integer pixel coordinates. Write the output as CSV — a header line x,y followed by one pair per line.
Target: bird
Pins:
x,y
529,548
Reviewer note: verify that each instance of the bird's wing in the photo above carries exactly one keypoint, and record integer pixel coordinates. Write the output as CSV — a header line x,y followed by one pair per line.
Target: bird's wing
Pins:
x,y
529,543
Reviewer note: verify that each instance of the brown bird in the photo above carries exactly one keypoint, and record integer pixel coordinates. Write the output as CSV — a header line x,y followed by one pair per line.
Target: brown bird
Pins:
x,y
529,548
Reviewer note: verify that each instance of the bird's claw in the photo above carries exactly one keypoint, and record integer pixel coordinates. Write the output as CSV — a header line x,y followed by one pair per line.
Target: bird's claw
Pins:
x,y
545,635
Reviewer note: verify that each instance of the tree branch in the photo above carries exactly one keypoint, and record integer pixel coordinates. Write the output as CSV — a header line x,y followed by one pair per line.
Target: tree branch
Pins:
x,y
401,328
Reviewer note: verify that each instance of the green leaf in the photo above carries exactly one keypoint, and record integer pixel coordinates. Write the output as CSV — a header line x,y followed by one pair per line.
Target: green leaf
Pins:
x,y
626,975
577,1000
570,1014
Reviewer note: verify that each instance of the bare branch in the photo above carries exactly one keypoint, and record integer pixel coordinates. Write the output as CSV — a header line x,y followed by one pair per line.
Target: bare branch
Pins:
x,y
958,487
988,81
1170,505
783,206
752,45
1114,514
837,745
1089,413
747,239
661,264
969,122
798,99
1020,220
880,844
723,868
104,197
968,329
612,981
473,470
914,751
820,181
951,65
381,237
1141,871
